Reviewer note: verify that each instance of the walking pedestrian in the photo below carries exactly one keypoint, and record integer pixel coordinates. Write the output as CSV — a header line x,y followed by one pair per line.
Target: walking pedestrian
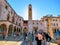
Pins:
x,y
30,38
27,40
4,34
39,39
25,35
48,38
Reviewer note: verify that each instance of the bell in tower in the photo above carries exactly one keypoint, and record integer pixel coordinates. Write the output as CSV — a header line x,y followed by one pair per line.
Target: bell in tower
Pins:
x,y
30,12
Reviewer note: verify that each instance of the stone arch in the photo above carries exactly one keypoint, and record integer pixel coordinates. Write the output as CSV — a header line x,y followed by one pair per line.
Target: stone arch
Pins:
x,y
25,29
35,29
19,30
8,17
3,28
10,30
14,28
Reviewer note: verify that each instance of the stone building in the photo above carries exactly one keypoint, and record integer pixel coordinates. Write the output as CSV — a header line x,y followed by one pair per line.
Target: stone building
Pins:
x,y
53,26
10,21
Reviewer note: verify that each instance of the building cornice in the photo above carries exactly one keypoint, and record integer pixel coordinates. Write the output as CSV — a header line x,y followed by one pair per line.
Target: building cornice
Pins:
x,y
12,8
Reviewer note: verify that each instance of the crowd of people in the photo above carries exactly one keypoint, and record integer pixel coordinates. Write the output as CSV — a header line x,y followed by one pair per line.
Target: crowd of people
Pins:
x,y
41,38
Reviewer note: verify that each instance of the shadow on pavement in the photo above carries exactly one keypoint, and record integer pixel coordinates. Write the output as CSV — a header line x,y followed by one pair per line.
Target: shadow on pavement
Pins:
x,y
12,38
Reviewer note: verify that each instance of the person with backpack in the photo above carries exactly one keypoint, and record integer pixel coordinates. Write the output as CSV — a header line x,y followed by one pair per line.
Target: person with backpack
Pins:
x,y
25,35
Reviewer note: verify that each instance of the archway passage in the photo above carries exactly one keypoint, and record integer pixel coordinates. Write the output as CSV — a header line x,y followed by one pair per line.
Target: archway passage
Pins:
x,y
2,29
25,29
56,33
18,32
15,29
35,29
10,30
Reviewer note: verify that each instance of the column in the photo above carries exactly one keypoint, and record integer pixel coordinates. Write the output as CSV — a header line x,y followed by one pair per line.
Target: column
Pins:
x,y
7,31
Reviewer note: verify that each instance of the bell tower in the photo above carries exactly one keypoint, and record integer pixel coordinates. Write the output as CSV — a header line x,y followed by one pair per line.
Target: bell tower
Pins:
x,y
30,12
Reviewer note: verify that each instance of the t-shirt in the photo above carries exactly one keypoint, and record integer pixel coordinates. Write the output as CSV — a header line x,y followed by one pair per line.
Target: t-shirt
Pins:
x,y
40,37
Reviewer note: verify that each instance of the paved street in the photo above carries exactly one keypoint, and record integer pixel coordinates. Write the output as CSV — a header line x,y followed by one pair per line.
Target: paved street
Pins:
x,y
17,41
10,42
14,43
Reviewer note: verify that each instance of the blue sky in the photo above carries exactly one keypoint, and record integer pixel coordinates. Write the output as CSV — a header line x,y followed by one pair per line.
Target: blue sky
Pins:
x,y
40,7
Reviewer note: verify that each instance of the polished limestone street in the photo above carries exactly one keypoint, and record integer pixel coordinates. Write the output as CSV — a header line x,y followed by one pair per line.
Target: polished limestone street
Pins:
x,y
10,42
19,41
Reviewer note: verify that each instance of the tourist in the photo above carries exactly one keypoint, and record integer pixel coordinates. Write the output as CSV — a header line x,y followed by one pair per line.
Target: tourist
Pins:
x,y
48,38
4,34
25,35
39,39
30,38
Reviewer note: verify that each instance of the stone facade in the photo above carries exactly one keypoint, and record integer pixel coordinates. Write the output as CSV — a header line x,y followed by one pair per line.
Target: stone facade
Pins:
x,y
10,21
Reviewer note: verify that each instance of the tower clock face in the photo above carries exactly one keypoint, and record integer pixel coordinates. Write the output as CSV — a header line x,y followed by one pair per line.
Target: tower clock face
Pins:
x,y
29,9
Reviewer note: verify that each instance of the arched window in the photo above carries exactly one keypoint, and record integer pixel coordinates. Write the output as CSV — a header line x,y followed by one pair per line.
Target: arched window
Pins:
x,y
15,29
8,17
13,19
6,7
19,24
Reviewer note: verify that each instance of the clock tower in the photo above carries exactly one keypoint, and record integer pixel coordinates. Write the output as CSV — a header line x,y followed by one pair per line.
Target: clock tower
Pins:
x,y
30,12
